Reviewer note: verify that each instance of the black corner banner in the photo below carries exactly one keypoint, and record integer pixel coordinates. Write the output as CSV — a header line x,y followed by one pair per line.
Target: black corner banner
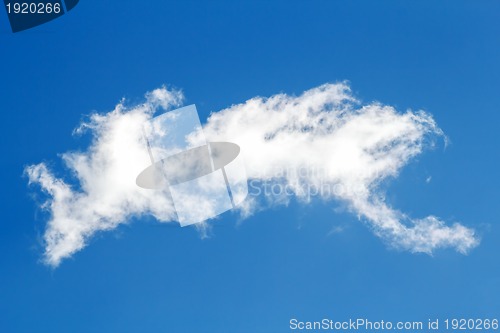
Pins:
x,y
25,14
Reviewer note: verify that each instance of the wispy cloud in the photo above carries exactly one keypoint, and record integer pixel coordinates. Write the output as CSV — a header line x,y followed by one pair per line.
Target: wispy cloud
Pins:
x,y
326,141
323,143
106,195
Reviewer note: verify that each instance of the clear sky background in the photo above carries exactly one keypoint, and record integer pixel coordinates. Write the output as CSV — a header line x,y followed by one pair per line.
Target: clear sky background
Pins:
x,y
286,262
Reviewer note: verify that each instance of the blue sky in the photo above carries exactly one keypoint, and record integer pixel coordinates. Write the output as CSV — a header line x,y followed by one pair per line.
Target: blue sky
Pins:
x,y
281,263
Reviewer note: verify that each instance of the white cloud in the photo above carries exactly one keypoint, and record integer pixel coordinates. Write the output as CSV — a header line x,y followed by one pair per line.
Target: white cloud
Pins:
x,y
323,139
107,194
